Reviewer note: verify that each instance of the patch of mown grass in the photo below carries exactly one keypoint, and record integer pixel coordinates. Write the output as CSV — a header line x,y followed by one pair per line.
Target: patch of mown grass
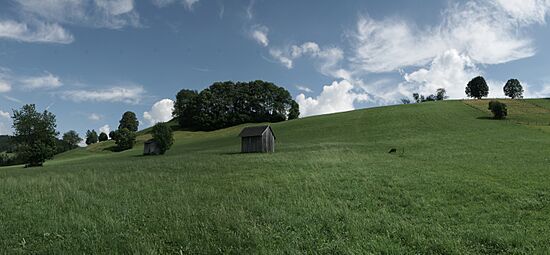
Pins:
x,y
463,185
529,111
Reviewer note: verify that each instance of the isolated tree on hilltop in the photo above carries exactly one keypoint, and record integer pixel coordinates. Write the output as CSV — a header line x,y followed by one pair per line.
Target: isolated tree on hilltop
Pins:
x,y
162,134
440,94
91,137
513,89
72,139
477,88
129,121
103,137
35,135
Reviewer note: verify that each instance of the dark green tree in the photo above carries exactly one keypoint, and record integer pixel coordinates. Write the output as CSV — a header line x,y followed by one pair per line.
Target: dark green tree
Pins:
x,y
129,121
513,89
440,94
477,88
294,112
185,107
103,137
91,137
125,139
498,109
112,135
72,139
162,134
35,135
225,104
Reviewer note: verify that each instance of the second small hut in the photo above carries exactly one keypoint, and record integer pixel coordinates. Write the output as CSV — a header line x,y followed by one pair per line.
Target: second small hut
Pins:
x,y
257,139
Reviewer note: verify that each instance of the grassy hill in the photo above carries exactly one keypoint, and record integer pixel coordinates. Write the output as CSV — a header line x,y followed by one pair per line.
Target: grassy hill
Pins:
x,y
462,183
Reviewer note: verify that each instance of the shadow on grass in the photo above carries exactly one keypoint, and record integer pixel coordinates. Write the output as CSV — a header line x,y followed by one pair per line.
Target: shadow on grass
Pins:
x,y
233,153
486,118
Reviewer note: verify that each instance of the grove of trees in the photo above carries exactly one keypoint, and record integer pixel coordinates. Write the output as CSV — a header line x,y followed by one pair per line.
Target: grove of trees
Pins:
x,y
226,104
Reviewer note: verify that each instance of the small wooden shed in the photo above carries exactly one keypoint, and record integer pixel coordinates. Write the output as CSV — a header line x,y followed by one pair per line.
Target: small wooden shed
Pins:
x,y
150,147
257,139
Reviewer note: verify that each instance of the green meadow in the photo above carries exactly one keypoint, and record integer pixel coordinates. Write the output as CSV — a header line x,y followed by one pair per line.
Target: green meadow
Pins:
x,y
461,183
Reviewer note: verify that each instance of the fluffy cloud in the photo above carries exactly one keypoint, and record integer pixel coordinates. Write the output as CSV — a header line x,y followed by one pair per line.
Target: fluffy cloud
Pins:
x,y
48,81
479,30
450,70
471,34
337,97
105,129
128,94
259,34
35,32
94,117
4,114
328,59
4,86
112,14
161,111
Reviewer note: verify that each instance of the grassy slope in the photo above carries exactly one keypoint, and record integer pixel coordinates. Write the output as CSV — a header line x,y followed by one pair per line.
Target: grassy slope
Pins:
x,y
465,184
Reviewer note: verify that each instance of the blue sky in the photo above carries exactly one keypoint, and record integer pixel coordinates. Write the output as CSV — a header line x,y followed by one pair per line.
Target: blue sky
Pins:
x,y
88,61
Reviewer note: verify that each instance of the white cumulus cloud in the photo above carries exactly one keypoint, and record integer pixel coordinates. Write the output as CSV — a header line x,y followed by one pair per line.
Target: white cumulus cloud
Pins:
x,y
161,111
259,34
450,70
337,97
105,129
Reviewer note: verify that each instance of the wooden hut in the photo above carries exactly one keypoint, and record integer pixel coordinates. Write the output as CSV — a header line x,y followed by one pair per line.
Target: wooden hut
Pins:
x,y
150,147
257,139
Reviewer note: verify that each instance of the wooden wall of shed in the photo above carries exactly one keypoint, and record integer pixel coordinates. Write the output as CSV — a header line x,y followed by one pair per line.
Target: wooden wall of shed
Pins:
x,y
251,144
268,142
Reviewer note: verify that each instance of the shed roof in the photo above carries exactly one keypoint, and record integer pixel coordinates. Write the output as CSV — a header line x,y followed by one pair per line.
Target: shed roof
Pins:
x,y
150,141
255,131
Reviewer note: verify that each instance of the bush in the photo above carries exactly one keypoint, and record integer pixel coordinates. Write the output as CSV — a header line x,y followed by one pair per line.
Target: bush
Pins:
x,y
103,137
125,139
162,135
498,109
